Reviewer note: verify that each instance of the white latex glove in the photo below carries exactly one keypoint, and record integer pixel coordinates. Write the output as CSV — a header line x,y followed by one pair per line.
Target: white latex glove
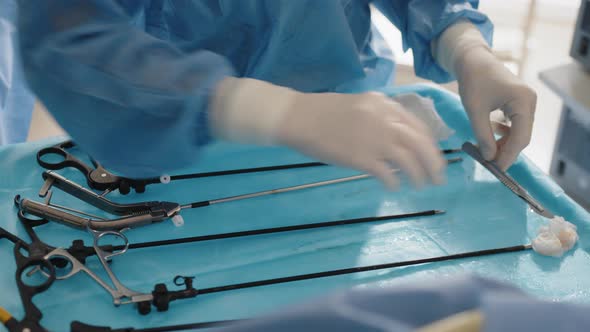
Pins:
x,y
368,132
485,85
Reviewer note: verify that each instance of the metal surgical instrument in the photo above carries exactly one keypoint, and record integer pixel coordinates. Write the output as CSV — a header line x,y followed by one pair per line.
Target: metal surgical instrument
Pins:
x,y
34,259
119,293
81,252
507,180
99,178
48,260
161,297
139,214
288,189
132,215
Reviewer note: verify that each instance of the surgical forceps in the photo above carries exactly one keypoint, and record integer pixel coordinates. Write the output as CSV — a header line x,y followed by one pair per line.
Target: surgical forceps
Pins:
x,y
47,259
161,297
119,293
507,180
99,178
144,213
132,215
36,250
40,256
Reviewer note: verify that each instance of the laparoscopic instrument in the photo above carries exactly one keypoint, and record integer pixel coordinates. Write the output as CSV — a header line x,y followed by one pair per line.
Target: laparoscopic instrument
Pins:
x,y
98,178
40,255
72,259
62,263
139,214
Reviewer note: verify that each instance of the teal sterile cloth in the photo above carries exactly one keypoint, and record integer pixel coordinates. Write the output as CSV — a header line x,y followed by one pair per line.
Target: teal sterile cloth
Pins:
x,y
481,213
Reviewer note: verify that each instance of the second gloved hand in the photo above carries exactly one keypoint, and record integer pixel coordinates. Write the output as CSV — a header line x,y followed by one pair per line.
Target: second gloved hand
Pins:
x,y
368,132
485,85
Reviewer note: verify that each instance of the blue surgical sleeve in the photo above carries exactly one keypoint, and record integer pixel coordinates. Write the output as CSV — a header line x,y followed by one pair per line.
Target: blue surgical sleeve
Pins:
x,y
420,21
408,307
132,100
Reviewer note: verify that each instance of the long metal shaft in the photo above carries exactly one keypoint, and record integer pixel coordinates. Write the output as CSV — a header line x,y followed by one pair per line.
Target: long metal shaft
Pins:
x,y
256,170
331,273
280,229
80,327
288,189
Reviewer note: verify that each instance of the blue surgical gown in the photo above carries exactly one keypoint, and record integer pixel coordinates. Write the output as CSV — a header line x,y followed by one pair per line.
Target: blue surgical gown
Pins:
x,y
16,101
130,80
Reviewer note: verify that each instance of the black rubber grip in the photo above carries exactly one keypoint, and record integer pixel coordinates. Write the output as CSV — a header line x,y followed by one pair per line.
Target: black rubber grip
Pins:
x,y
200,204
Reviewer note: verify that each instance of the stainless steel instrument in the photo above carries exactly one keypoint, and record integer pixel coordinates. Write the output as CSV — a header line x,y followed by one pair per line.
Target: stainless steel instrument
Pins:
x,y
507,180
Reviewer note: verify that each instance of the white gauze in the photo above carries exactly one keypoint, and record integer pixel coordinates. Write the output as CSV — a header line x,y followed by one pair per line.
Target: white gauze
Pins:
x,y
423,109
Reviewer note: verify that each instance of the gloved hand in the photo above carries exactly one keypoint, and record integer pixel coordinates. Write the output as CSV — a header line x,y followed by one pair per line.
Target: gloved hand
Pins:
x,y
366,131
369,131
485,85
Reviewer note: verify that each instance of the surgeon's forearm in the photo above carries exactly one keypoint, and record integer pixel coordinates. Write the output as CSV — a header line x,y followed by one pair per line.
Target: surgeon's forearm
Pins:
x,y
134,102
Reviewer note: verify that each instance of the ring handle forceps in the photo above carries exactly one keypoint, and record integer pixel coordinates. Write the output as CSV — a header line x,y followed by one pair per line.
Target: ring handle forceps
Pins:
x,y
97,177
34,259
119,293
47,260
53,179
507,180
133,215
51,213
158,211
